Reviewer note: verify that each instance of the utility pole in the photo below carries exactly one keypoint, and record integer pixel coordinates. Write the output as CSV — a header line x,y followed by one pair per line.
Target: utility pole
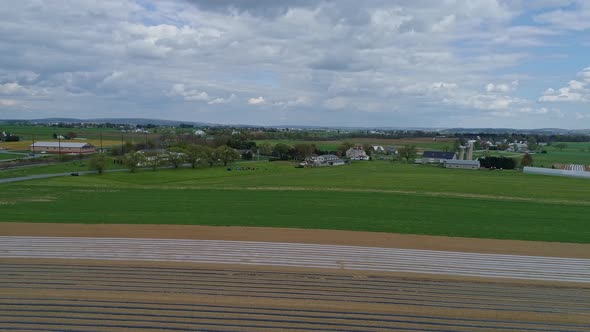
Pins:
x,y
122,146
101,142
33,145
59,146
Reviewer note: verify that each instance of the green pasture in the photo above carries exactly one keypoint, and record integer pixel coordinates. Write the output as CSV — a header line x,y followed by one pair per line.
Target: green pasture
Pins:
x,y
575,153
8,156
62,167
370,196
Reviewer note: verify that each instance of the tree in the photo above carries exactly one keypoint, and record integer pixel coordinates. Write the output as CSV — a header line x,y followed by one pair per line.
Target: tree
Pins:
x,y
532,143
153,160
133,160
368,149
407,152
248,155
265,149
477,145
98,163
497,162
527,160
281,150
303,150
561,146
175,157
211,155
227,154
344,147
196,154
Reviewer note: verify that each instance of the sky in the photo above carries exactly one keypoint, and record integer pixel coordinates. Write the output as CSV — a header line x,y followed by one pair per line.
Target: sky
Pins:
x,y
371,63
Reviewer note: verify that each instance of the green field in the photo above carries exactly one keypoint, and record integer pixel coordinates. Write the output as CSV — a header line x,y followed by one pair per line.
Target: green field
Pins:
x,y
8,156
371,196
110,136
332,145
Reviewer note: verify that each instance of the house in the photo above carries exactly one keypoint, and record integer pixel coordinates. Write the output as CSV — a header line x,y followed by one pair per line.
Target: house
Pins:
x,y
63,147
437,157
390,150
378,149
463,164
323,160
357,153
518,147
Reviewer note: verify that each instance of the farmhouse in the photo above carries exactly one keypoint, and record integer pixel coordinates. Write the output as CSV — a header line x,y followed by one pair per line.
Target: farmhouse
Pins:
x,y
437,157
463,164
62,147
357,153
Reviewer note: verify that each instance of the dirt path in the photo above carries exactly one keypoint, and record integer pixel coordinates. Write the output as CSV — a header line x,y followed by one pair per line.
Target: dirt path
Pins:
x,y
368,239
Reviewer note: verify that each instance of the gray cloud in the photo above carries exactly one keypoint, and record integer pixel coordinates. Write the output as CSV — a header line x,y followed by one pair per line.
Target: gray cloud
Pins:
x,y
270,62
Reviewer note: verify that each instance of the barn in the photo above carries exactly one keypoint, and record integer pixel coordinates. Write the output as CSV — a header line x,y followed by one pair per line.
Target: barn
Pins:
x,y
62,147
463,164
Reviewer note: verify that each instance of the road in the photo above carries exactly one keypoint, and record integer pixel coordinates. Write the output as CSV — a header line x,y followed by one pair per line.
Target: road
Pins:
x,y
353,258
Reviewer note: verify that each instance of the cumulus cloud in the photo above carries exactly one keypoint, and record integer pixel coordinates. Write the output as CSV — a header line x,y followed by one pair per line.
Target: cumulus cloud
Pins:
x,y
220,100
256,101
11,88
575,91
188,94
502,87
307,58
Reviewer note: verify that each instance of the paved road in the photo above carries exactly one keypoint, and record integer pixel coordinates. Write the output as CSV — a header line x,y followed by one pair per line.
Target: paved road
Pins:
x,y
300,255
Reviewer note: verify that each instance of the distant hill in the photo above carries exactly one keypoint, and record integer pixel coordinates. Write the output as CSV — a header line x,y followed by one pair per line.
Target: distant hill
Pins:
x,y
159,122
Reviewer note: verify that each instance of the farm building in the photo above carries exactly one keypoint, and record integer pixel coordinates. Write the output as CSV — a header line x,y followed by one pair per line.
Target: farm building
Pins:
x,y
378,149
324,160
357,153
62,147
390,150
463,164
437,157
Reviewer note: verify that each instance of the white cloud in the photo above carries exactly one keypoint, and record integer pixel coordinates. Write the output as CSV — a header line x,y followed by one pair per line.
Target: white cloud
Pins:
x,y
299,101
11,88
126,58
256,101
8,102
220,100
502,87
189,95
575,91
576,18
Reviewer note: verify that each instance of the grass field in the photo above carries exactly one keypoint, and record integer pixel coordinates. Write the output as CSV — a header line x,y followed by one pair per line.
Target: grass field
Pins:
x,y
422,143
8,156
25,143
371,196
